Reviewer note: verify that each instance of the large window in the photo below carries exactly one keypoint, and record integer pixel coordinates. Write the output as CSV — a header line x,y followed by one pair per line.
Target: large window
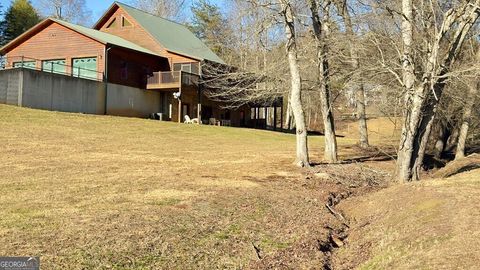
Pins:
x,y
25,64
187,67
85,67
55,66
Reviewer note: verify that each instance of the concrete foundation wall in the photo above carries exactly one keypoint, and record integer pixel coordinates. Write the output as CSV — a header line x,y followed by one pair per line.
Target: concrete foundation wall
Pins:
x,y
11,87
41,90
131,102
62,93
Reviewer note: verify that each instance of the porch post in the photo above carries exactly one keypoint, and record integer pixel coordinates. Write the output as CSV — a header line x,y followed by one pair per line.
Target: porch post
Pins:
x,y
199,106
274,116
180,100
254,118
267,117
281,117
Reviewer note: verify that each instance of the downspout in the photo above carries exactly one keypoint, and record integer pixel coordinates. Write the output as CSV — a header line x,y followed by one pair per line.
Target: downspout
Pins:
x,y
106,76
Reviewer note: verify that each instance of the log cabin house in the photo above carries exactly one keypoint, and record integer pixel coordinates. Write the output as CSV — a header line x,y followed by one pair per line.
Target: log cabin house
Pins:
x,y
133,48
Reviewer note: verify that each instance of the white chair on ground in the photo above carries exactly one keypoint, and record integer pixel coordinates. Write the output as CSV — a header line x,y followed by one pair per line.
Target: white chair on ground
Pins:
x,y
188,120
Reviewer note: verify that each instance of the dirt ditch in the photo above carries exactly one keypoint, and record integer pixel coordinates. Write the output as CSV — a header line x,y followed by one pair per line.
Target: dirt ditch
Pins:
x,y
329,228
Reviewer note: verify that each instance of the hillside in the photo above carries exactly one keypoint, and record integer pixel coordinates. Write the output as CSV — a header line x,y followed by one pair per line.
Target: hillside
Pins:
x,y
434,224
96,192
102,192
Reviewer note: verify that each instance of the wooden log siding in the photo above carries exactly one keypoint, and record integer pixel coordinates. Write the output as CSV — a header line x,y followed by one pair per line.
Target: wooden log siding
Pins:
x,y
59,42
136,34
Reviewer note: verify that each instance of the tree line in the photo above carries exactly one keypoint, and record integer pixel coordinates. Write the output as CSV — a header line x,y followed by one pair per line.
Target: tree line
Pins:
x,y
423,56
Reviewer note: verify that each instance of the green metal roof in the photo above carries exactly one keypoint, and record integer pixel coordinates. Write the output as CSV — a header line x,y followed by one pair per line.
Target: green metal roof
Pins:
x,y
104,37
173,36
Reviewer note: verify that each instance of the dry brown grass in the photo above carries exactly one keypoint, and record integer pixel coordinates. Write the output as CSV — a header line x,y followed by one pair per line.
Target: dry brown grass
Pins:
x,y
434,224
96,192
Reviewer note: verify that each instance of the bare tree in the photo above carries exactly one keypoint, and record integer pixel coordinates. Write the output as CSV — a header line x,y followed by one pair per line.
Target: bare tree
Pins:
x,y
257,68
171,9
422,99
474,89
321,31
302,159
359,88
74,11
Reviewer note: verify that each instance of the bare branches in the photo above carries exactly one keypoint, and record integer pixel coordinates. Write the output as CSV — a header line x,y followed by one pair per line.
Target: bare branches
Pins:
x,y
171,9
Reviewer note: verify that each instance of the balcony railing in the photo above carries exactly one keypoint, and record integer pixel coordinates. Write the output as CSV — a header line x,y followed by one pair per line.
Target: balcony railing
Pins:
x,y
171,80
54,66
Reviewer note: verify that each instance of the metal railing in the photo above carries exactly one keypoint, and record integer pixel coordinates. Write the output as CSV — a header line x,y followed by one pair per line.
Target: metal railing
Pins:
x,y
174,78
12,62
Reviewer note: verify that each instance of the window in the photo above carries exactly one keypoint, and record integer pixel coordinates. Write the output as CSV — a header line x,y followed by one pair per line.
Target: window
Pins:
x,y
113,23
187,67
85,68
196,68
55,66
125,22
25,64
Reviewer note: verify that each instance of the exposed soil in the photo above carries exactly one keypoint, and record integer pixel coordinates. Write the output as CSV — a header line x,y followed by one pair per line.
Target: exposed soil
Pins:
x,y
329,228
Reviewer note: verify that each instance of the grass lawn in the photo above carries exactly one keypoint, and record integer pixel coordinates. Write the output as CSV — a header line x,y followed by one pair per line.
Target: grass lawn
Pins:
x,y
101,192
91,192
96,192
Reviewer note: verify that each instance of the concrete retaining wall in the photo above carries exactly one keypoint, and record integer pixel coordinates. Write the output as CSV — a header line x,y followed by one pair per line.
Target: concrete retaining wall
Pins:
x,y
132,102
11,87
55,92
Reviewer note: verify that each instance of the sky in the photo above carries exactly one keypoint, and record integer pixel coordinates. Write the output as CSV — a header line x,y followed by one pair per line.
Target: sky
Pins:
x,y
98,7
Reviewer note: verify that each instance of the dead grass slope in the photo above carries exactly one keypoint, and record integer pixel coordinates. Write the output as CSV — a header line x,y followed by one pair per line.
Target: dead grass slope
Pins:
x,y
433,224
101,192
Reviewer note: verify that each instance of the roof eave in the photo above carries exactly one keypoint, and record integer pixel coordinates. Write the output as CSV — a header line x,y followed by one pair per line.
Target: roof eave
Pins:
x,y
183,54
130,49
195,57
104,16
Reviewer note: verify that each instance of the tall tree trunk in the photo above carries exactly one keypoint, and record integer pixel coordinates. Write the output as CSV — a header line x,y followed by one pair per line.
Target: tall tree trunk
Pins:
x,y
436,77
405,150
321,31
422,105
302,159
359,88
362,116
467,115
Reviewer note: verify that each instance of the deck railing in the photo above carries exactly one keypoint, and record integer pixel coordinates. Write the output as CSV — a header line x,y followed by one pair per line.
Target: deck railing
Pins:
x,y
168,77
172,79
57,68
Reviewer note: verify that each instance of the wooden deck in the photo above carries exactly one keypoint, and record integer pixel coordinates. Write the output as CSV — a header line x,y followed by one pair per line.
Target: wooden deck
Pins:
x,y
171,80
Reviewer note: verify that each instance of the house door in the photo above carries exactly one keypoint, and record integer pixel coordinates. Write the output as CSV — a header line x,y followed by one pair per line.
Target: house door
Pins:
x,y
242,119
